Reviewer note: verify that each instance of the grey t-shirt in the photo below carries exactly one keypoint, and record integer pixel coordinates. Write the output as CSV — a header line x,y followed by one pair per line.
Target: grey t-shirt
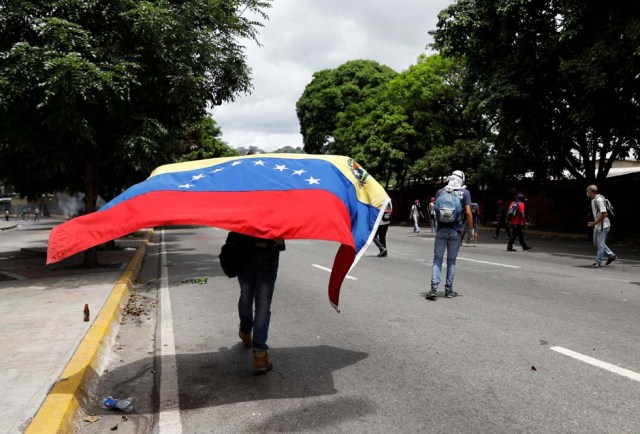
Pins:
x,y
598,207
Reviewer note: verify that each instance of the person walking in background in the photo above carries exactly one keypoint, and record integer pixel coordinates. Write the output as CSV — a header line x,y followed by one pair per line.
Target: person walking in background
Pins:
x,y
517,219
475,214
6,214
257,282
451,201
415,214
432,214
601,226
36,214
380,239
501,218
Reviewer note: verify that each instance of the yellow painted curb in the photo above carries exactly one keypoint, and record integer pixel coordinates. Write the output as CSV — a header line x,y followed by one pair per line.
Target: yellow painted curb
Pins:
x,y
61,406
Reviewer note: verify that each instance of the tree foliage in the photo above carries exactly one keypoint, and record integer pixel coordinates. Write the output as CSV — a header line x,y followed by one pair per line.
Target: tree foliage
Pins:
x,y
94,94
418,112
330,92
203,140
558,79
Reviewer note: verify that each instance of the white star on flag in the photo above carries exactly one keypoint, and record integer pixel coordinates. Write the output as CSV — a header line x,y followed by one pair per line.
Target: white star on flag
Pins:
x,y
196,177
217,170
312,180
235,163
187,185
280,167
258,163
298,172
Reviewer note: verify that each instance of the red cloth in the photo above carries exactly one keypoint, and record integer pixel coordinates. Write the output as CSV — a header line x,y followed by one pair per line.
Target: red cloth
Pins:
x,y
519,219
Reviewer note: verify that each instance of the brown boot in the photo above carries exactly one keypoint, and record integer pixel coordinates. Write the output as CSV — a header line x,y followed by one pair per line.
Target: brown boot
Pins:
x,y
247,339
261,362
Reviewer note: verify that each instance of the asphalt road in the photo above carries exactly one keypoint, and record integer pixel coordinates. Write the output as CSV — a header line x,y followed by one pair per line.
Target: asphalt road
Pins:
x,y
537,342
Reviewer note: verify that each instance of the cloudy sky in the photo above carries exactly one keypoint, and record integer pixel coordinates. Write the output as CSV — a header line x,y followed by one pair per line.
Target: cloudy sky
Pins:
x,y
305,36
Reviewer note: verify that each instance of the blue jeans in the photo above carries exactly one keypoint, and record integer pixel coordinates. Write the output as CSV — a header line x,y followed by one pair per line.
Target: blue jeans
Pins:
x,y
257,285
448,238
600,239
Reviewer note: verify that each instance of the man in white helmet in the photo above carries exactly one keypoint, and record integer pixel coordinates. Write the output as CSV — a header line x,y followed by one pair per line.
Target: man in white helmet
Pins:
x,y
451,202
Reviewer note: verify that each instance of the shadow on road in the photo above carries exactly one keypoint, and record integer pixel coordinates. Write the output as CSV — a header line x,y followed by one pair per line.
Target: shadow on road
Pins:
x,y
224,377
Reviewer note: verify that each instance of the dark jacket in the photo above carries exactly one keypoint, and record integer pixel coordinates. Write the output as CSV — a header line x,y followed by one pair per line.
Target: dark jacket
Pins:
x,y
256,252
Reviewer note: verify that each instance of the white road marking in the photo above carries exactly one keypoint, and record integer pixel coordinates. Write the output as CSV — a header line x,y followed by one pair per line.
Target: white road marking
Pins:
x,y
329,270
169,417
599,363
591,256
487,262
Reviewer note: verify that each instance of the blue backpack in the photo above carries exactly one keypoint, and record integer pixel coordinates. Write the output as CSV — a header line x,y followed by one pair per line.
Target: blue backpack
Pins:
x,y
448,207
513,209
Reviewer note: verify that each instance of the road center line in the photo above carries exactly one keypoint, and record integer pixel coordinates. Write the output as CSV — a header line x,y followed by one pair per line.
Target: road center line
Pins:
x,y
599,363
329,270
486,262
169,412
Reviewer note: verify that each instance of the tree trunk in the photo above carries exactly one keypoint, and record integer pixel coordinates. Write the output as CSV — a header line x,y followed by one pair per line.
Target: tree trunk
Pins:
x,y
90,198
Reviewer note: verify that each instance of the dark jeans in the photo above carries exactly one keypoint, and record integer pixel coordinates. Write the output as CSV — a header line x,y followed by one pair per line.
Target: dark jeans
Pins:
x,y
257,283
517,232
380,239
501,224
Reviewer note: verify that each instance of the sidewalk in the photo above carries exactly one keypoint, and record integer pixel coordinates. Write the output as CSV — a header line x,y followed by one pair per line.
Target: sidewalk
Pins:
x,y
50,354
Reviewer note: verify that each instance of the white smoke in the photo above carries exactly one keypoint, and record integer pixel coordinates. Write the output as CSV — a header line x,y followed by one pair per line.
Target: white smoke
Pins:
x,y
72,205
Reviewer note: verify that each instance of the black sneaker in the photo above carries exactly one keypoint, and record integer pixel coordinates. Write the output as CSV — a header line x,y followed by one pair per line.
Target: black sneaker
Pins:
x,y
611,259
596,265
432,295
451,294
509,249
527,248
383,254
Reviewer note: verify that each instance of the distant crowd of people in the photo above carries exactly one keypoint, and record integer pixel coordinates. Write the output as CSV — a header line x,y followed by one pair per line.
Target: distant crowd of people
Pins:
x,y
455,218
24,214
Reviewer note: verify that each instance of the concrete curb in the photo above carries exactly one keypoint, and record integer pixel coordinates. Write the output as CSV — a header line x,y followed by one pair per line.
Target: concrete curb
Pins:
x,y
7,225
61,408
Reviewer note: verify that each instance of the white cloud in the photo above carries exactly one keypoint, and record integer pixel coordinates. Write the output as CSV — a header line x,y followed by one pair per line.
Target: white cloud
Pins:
x,y
305,36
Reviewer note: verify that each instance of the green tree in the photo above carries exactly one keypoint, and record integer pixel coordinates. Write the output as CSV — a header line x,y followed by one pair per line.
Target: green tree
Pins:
x,y
94,88
419,111
557,78
202,140
329,93
376,133
94,94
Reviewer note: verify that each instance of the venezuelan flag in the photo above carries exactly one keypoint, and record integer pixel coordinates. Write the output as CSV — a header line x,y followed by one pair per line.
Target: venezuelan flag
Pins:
x,y
289,196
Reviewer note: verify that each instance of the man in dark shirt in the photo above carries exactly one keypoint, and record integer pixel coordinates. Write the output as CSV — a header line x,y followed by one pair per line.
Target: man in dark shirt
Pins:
x,y
257,282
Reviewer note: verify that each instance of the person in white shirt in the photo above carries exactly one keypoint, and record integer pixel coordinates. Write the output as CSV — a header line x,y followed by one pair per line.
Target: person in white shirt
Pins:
x,y
601,226
415,214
